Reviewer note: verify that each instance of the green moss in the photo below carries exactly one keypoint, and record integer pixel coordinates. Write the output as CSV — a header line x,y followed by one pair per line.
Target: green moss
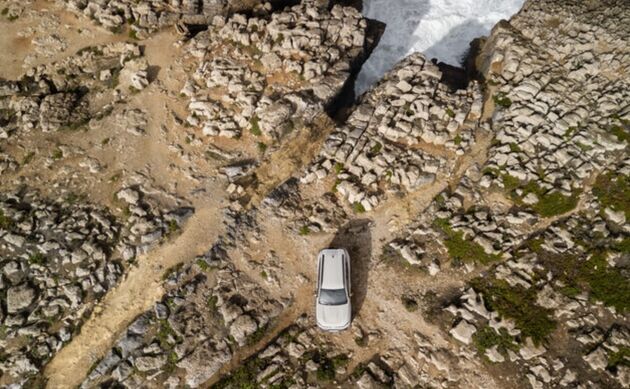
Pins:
x,y
620,132
6,222
502,100
555,203
304,230
376,148
203,265
619,358
258,335
460,249
486,338
357,207
335,185
613,191
172,270
515,148
255,126
570,132
28,158
607,284
550,203
173,227
243,377
510,183
133,34
212,303
37,259
57,154
518,304
171,362
165,334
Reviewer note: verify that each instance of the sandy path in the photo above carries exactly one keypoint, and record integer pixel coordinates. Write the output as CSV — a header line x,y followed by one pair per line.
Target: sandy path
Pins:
x,y
139,290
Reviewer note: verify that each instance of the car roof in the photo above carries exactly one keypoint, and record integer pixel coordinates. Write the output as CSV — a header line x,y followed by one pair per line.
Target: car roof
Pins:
x,y
331,266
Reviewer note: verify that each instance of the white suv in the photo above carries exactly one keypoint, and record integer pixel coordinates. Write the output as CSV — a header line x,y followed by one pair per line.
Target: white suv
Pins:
x,y
333,311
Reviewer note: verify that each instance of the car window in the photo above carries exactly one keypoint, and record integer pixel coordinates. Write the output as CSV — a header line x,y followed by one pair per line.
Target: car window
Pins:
x,y
332,297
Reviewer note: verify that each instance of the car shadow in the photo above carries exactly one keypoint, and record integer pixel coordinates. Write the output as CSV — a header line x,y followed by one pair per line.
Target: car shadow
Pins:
x,y
356,237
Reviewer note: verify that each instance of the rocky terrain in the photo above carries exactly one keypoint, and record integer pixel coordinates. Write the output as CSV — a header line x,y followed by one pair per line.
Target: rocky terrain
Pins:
x,y
170,169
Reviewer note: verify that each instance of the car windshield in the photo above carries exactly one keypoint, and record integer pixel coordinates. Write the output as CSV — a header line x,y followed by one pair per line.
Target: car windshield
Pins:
x,y
332,297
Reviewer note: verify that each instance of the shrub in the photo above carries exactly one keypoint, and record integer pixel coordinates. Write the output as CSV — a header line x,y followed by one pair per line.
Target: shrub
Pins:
x,y
460,249
409,303
304,230
502,100
613,191
262,147
555,203
518,304
487,337
36,259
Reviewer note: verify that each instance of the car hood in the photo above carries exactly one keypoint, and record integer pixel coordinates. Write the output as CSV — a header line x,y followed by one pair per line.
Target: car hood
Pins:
x,y
333,316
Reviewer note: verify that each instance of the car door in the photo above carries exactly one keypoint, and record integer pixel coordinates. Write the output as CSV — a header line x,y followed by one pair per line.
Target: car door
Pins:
x,y
346,270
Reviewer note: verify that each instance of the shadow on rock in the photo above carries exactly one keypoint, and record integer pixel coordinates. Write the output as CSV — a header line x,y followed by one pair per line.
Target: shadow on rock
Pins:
x,y
356,238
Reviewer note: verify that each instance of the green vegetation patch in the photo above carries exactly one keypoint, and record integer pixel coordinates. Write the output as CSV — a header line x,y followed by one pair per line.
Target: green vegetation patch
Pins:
x,y
6,222
502,100
607,284
165,334
257,335
243,377
461,249
57,154
550,203
376,149
203,265
304,230
518,304
620,130
255,126
357,207
37,259
133,34
619,358
613,191
328,366
486,338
